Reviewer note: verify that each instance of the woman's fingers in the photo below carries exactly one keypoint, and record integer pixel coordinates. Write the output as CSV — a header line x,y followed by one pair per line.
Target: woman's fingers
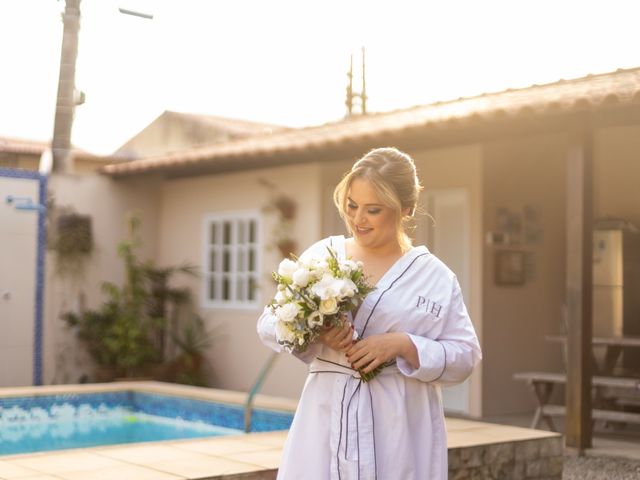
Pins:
x,y
337,338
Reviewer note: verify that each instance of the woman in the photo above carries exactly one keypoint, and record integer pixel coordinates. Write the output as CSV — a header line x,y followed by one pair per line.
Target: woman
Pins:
x,y
414,324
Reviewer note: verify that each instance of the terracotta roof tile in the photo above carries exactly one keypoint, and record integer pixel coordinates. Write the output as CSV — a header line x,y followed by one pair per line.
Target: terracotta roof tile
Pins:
x,y
25,146
592,91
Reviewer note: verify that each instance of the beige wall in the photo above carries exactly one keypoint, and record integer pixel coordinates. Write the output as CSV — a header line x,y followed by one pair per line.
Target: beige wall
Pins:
x,y
172,132
107,202
238,354
460,168
519,173
617,173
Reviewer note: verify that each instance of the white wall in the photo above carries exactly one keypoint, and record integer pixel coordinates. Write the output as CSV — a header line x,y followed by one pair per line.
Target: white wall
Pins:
x,y
18,253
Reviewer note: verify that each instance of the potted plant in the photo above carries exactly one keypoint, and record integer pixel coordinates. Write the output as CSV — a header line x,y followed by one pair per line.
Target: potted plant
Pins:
x,y
192,340
126,335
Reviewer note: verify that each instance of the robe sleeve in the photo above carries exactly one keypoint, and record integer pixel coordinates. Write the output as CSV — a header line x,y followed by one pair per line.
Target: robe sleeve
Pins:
x,y
450,358
267,333
267,321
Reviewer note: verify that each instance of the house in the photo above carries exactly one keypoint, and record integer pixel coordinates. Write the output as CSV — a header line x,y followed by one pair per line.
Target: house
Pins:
x,y
26,155
496,183
175,131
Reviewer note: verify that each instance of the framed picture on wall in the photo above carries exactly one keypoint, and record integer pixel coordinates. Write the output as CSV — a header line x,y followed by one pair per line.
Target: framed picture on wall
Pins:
x,y
509,267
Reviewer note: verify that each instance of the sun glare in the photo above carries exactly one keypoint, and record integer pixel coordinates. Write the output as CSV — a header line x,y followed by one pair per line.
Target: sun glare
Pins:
x,y
285,62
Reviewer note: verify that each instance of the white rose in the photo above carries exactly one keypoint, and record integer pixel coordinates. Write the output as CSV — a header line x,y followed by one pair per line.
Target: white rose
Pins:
x,y
287,267
329,306
287,312
301,277
315,319
327,287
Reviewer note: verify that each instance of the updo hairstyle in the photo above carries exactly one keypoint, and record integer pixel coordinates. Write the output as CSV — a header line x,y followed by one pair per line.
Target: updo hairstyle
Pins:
x,y
392,174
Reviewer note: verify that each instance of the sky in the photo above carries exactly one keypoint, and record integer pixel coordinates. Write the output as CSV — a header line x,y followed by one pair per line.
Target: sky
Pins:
x,y
285,61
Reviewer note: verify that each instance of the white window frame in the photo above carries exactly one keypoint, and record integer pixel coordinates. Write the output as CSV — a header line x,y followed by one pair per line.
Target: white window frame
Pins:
x,y
234,247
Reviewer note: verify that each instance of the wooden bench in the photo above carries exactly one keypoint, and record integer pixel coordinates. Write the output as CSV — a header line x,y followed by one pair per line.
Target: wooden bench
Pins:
x,y
608,391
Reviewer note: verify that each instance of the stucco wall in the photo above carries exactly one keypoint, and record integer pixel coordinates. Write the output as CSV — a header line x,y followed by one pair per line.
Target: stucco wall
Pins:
x,y
460,168
616,173
107,202
519,173
238,355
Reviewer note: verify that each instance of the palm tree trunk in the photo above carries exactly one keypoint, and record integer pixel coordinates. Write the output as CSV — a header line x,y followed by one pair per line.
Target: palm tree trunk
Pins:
x,y
65,104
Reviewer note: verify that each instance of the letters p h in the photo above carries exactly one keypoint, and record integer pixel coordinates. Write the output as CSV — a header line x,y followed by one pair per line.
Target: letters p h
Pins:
x,y
429,306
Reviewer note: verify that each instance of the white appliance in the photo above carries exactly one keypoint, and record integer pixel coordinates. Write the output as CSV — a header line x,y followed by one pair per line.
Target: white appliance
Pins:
x,y
616,286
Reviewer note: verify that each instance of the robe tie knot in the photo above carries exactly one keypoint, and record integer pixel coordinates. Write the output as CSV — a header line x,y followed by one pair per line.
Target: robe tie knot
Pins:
x,y
356,438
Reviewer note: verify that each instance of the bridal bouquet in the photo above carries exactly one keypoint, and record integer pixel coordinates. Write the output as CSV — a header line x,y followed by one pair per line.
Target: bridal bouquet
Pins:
x,y
313,294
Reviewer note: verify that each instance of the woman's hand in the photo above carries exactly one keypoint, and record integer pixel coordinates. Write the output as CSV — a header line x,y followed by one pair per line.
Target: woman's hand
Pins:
x,y
371,352
338,338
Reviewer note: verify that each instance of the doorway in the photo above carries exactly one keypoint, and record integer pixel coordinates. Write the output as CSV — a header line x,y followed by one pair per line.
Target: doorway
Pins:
x,y
446,231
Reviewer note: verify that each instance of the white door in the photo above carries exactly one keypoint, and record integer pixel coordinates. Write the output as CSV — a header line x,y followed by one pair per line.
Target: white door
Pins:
x,y
447,235
18,253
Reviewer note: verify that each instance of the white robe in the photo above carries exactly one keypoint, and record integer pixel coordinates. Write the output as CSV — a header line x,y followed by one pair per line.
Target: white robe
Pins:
x,y
393,426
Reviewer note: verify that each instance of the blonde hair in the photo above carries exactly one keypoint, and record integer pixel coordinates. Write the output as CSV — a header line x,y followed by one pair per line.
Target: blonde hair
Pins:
x,y
392,175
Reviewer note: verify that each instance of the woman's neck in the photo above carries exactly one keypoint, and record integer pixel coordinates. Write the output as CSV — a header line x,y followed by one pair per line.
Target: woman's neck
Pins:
x,y
392,249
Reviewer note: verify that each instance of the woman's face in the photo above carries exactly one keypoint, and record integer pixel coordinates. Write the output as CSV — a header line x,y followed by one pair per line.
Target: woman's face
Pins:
x,y
373,224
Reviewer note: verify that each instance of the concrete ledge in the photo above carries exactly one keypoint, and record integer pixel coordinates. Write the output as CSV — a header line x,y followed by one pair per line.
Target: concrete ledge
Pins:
x,y
486,451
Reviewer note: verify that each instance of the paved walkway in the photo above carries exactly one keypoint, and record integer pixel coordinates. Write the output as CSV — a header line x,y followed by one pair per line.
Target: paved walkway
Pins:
x,y
212,458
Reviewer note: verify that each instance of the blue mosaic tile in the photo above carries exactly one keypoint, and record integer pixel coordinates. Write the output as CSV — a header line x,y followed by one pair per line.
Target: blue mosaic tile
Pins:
x,y
220,414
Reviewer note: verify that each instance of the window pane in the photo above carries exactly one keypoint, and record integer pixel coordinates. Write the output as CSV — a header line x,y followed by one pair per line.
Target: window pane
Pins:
x,y
252,231
226,260
212,260
226,289
214,228
242,255
240,295
212,288
252,260
227,233
251,288
242,227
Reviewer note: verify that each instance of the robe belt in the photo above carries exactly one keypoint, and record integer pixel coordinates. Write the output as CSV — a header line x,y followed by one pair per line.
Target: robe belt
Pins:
x,y
349,409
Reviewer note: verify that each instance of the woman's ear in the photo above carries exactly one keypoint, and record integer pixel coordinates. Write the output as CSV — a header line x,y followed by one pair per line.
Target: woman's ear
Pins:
x,y
407,212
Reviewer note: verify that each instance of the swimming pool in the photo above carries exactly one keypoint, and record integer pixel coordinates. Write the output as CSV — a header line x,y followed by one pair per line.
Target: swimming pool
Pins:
x,y
77,419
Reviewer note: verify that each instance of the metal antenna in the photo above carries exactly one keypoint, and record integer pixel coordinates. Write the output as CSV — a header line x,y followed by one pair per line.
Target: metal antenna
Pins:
x,y
349,101
351,95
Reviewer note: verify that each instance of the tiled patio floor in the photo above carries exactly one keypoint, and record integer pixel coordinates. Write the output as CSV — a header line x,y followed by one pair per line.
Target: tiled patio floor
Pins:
x,y
254,456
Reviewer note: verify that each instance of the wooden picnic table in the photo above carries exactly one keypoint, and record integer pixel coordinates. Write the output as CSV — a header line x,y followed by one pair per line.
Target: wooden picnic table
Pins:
x,y
612,389
613,345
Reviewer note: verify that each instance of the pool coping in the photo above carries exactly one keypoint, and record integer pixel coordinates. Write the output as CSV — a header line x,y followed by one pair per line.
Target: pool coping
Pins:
x,y
232,397
254,456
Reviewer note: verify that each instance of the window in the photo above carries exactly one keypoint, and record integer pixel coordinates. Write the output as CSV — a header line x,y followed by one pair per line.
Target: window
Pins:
x,y
231,260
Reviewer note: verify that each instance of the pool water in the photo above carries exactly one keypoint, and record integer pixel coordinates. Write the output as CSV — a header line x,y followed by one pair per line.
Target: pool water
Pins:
x,y
54,422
